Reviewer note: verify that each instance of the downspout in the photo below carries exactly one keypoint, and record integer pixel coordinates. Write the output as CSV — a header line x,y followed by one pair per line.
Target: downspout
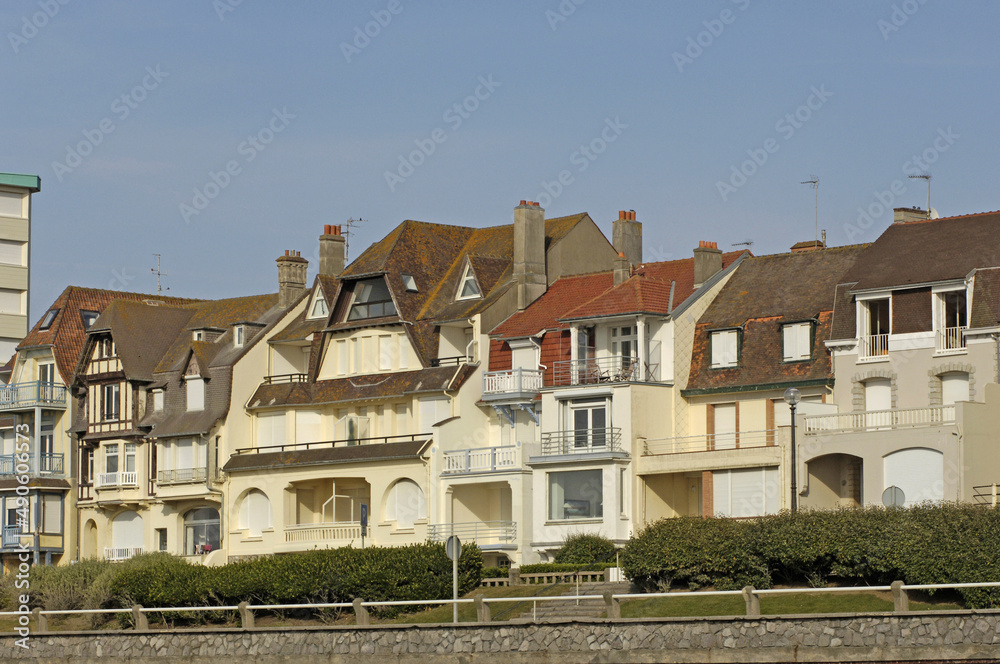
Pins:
x,y
996,360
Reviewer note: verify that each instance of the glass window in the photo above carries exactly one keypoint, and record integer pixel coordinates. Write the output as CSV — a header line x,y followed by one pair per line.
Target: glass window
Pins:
x,y
409,283
111,458
319,308
129,457
111,408
201,531
239,335
724,348
576,494
48,319
88,318
371,300
468,288
590,422
161,539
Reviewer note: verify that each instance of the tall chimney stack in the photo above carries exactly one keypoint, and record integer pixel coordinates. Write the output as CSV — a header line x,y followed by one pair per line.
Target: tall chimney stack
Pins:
x,y
291,277
626,236
707,261
529,253
332,255
623,270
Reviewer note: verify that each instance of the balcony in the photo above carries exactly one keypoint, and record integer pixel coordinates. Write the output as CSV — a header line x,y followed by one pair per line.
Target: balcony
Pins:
x,y
583,441
519,384
116,480
32,394
343,532
286,378
950,340
593,371
873,347
876,420
709,442
119,553
12,536
48,464
181,476
480,460
488,535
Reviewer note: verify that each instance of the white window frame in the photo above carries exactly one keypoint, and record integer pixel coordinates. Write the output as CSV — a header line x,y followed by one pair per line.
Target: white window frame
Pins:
x,y
194,388
319,302
468,276
794,352
720,356
239,335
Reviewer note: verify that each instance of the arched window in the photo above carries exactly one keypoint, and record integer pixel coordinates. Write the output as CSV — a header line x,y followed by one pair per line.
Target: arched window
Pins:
x,y
201,531
405,504
255,513
954,387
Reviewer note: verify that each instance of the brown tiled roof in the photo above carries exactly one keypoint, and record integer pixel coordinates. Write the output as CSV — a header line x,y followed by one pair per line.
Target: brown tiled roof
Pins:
x,y
361,388
141,338
986,298
764,293
545,313
67,334
328,455
929,250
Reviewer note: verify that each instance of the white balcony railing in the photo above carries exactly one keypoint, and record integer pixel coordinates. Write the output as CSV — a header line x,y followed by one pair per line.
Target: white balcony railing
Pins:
x,y
875,420
480,532
515,381
709,442
111,480
33,393
181,476
119,553
873,346
480,460
343,531
950,338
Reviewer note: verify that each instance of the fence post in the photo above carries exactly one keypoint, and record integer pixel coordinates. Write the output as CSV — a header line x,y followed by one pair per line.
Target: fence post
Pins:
x,y
246,615
482,609
360,613
41,622
139,618
752,601
614,606
900,600
514,576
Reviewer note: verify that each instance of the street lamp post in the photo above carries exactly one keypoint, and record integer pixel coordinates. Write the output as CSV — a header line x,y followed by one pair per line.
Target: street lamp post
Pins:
x,y
792,398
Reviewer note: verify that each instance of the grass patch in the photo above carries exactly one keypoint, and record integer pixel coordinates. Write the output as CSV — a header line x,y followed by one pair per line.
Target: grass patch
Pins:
x,y
690,605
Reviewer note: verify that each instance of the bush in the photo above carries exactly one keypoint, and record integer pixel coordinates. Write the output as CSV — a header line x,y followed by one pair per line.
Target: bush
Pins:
x,y
549,568
496,572
929,543
581,548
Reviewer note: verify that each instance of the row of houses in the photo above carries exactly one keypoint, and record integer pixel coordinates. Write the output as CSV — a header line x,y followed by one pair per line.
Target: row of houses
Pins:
x,y
511,385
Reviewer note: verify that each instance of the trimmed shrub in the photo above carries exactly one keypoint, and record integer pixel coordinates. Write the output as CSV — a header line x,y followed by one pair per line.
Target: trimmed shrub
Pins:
x,y
496,572
549,568
581,548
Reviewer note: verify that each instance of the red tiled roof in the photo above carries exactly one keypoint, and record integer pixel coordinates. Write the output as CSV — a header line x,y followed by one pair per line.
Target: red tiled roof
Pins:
x,y
638,294
562,296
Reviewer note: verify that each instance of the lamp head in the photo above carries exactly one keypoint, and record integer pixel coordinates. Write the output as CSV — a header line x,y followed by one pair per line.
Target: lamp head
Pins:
x,y
792,396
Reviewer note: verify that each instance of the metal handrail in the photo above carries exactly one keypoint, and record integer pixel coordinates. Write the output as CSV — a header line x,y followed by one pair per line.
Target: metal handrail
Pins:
x,y
611,369
30,393
870,420
50,464
475,531
582,441
286,378
710,442
344,442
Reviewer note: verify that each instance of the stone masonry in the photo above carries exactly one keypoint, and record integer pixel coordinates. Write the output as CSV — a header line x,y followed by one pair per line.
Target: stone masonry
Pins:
x,y
938,635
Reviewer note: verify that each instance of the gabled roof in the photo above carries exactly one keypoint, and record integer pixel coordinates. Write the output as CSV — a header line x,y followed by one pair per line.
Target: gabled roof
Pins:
x,y
546,312
67,334
636,295
928,251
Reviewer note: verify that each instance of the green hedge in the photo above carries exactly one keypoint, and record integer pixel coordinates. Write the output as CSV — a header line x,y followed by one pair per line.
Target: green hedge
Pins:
x,y
496,572
419,571
583,548
931,543
549,568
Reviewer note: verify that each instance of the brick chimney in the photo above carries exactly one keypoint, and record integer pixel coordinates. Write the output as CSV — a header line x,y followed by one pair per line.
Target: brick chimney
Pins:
x,y
623,269
808,245
332,244
529,253
626,236
291,277
902,215
707,261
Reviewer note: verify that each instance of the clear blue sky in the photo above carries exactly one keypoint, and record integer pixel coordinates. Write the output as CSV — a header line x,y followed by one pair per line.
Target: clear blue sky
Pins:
x,y
886,81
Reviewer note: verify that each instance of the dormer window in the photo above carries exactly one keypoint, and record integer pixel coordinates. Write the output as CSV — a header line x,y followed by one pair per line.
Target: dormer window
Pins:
x,y
88,318
319,308
725,348
157,401
48,319
468,287
195,388
371,300
409,283
239,335
198,335
106,348
796,342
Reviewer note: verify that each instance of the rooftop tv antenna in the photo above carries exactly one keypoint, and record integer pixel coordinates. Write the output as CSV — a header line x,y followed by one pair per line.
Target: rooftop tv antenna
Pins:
x,y
159,273
350,223
745,243
813,182
925,176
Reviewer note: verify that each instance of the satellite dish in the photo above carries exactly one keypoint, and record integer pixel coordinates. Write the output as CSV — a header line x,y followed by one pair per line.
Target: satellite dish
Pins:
x,y
933,214
893,497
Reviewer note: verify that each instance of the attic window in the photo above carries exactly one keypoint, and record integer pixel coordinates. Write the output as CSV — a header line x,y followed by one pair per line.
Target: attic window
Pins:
x,y
88,318
725,348
319,308
239,335
409,283
468,288
198,335
371,300
47,319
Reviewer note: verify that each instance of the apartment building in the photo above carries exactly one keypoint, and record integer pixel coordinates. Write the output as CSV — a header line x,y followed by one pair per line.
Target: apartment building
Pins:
x,y
15,255
914,348
765,332
592,364
382,435
35,419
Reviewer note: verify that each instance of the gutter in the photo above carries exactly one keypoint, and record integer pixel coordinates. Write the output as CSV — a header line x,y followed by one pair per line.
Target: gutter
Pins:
x,y
825,382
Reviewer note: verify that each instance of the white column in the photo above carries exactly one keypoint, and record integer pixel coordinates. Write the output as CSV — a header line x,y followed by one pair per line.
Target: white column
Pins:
x,y
642,352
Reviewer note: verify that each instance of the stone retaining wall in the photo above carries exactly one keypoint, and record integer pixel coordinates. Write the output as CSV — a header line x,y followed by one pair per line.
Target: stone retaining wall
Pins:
x,y
917,636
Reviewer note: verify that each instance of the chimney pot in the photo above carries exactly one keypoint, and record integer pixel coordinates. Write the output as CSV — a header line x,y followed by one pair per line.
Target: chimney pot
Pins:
x,y
626,237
